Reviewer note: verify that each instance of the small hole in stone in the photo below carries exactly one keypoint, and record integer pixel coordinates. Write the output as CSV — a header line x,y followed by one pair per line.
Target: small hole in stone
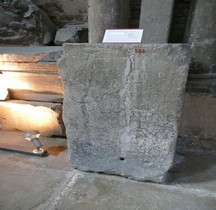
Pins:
x,y
121,158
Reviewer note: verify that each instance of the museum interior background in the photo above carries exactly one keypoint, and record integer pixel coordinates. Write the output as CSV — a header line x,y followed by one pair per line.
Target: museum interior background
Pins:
x,y
35,30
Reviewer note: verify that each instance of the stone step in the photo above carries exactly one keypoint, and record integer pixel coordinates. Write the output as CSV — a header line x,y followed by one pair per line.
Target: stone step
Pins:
x,y
29,95
30,54
27,116
39,82
31,73
31,77
29,67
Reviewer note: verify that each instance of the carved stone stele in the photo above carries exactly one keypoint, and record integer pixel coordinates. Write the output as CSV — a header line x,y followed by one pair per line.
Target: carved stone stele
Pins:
x,y
122,105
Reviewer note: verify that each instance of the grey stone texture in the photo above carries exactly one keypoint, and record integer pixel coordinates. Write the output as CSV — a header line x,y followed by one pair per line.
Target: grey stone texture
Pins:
x,y
155,19
92,191
122,105
198,117
103,14
29,54
203,83
62,12
22,22
197,126
201,35
72,33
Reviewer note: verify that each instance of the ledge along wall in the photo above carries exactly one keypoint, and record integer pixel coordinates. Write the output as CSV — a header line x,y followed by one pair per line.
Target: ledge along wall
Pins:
x,y
122,105
35,90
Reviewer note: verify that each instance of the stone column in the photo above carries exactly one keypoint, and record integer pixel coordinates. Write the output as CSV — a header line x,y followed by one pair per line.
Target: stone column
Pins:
x,y
155,19
103,14
201,35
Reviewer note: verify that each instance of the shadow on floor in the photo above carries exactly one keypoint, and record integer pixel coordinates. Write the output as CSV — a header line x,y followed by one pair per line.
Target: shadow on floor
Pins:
x,y
194,168
55,150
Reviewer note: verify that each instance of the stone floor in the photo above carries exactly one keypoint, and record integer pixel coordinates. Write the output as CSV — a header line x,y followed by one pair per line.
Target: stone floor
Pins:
x,y
29,182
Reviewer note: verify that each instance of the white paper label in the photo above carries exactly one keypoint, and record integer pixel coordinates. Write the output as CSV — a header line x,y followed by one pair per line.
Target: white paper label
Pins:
x,y
123,36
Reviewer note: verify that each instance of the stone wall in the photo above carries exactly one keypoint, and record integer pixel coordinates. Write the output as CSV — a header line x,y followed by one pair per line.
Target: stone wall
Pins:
x,y
62,12
23,23
35,90
35,22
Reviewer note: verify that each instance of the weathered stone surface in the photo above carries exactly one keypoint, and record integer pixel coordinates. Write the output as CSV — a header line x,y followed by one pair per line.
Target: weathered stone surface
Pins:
x,y
202,83
62,12
100,18
201,35
92,191
28,116
30,73
22,22
72,33
55,187
28,67
28,181
197,128
30,95
121,108
155,19
198,117
44,83
30,54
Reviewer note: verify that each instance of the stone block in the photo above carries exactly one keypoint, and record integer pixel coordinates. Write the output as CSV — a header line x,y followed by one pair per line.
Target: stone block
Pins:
x,y
29,95
27,116
29,67
72,33
122,105
30,54
30,73
39,82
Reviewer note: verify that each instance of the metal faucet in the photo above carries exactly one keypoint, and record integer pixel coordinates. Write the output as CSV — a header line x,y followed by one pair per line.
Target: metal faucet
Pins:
x,y
33,137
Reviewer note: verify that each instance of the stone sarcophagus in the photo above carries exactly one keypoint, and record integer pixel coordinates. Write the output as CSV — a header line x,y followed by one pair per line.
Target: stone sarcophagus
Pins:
x,y
122,105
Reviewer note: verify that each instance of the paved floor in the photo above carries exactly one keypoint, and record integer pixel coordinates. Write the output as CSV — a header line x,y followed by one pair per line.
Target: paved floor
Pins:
x,y
29,182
